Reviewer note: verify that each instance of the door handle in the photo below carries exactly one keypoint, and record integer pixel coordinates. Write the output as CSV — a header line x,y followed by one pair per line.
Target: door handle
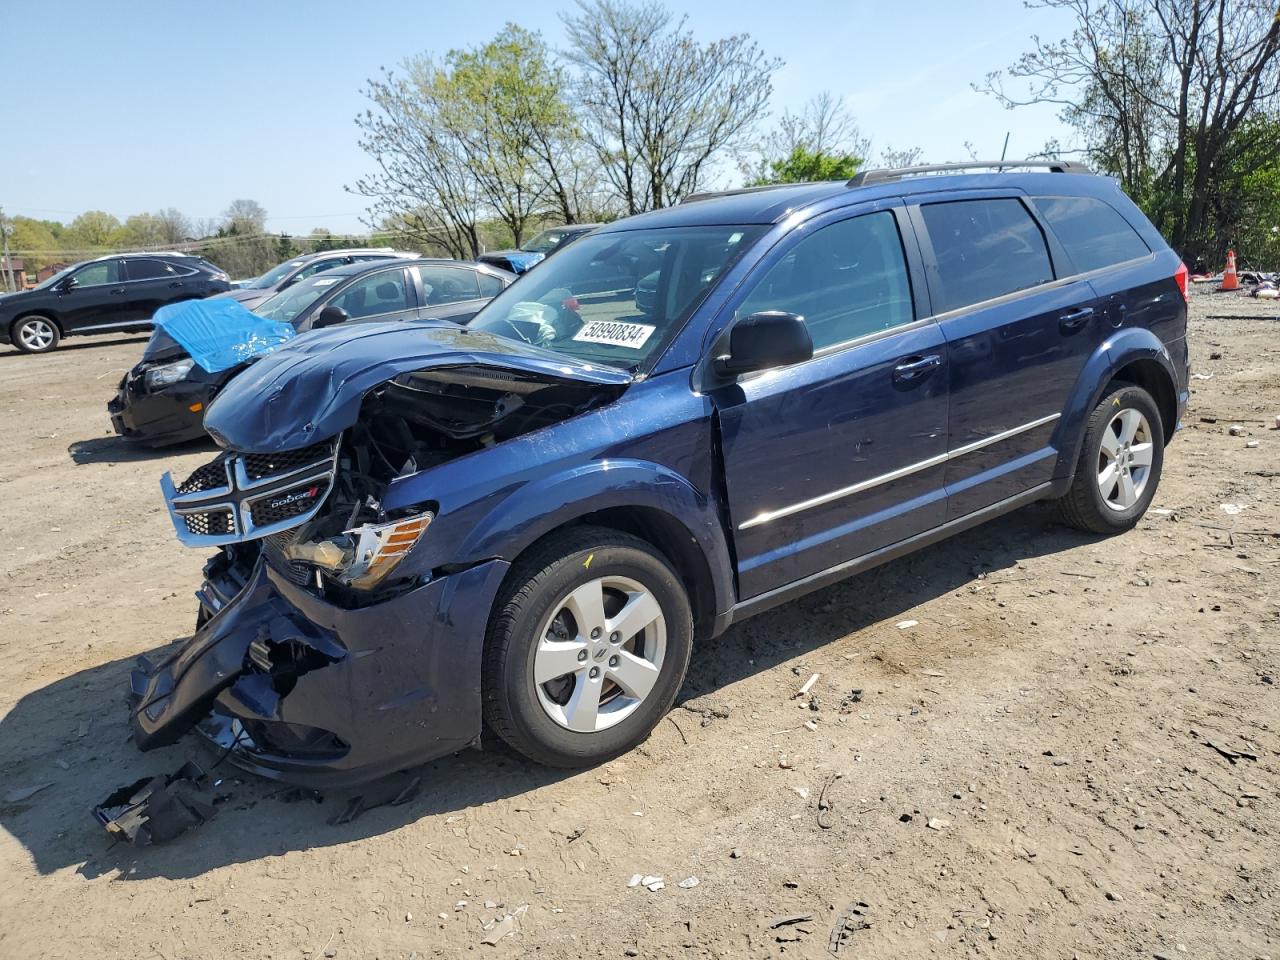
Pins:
x,y
913,368
1075,319
176,283
116,291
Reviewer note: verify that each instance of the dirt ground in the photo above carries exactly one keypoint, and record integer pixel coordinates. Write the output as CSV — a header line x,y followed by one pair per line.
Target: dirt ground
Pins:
x,y
1027,773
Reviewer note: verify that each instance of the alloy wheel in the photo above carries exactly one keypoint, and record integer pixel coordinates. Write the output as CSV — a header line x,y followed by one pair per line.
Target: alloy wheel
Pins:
x,y
599,654
1124,459
36,334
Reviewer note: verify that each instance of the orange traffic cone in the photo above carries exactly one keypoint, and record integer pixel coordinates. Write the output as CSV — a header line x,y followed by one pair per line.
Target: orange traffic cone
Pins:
x,y
1229,279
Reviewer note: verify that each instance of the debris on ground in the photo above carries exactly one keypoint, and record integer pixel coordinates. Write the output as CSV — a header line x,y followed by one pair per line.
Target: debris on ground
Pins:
x,y
907,624
825,805
394,790
788,929
688,883
937,823
808,685
26,793
652,884
851,920
1230,755
156,809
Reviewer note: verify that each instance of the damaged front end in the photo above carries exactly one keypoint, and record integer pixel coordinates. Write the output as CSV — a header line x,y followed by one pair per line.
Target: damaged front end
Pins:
x,y
321,656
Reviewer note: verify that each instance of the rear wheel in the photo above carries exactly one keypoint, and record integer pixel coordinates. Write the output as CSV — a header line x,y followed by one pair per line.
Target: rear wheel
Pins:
x,y
587,648
1120,463
35,334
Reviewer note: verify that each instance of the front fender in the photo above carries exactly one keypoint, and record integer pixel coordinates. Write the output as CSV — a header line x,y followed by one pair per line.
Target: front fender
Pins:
x,y
1119,350
550,502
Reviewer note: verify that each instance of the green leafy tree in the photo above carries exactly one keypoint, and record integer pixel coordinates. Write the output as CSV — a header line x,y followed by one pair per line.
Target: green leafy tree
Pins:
x,y
35,241
91,231
805,166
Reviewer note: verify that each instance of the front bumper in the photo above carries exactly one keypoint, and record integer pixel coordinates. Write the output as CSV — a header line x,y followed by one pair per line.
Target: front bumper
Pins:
x,y
163,417
303,691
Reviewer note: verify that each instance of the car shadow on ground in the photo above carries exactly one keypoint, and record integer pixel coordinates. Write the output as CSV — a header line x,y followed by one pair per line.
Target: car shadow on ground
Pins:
x,y
73,733
120,450
79,343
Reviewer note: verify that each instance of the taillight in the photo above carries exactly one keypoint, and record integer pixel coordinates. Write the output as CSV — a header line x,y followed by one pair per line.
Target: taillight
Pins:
x,y
1181,276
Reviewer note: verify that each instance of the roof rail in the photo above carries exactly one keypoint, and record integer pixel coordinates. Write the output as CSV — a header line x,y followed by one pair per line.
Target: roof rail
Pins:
x,y
712,194
868,177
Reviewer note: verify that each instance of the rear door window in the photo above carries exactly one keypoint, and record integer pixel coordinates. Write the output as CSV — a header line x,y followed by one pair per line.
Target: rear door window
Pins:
x,y
447,284
147,269
984,249
1092,231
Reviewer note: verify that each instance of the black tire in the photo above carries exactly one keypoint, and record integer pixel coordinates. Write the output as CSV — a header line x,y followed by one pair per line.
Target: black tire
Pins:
x,y
1084,505
541,582
35,333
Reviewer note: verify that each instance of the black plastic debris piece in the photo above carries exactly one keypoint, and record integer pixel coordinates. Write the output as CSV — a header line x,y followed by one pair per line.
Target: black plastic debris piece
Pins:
x,y
396,789
851,920
156,809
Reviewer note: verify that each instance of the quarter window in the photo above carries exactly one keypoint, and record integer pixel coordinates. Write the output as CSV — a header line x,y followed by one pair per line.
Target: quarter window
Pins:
x,y
847,280
147,269
381,293
984,249
1092,231
447,285
490,286
105,271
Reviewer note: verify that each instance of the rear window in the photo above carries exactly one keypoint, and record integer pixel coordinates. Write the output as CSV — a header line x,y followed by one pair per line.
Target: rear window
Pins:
x,y
1092,231
984,249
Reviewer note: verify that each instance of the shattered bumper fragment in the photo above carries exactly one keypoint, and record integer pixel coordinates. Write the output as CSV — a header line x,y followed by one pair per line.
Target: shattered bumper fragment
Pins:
x,y
304,691
156,809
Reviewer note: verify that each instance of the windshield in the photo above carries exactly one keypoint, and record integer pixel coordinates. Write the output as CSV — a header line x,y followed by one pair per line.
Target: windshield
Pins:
x,y
286,305
61,274
544,242
616,298
274,275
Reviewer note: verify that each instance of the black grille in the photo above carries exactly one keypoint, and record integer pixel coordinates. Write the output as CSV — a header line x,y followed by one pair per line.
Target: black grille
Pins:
x,y
208,477
259,465
288,503
273,548
213,523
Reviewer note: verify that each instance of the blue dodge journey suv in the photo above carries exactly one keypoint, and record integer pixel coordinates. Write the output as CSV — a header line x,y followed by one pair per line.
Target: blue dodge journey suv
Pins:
x,y
425,528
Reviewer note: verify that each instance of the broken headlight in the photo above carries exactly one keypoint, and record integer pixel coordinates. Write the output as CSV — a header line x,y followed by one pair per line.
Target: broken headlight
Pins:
x,y
363,556
169,373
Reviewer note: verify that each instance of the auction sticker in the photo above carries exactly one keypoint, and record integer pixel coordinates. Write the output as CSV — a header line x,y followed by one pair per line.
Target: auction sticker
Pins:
x,y
615,333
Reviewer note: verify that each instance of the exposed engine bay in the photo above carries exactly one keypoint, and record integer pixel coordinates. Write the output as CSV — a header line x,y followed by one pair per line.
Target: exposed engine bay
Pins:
x,y
317,512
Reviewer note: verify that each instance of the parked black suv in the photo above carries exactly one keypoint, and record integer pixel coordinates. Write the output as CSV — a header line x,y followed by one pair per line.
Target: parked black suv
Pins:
x,y
118,292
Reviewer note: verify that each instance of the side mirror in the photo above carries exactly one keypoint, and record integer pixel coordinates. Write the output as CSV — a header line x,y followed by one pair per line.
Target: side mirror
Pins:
x,y
69,284
763,340
330,316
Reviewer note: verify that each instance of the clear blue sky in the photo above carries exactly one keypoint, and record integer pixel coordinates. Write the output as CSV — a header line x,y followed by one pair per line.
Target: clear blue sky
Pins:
x,y
130,107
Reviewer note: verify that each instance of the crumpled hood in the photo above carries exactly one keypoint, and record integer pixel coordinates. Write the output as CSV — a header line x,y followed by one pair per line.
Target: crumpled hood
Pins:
x,y
311,389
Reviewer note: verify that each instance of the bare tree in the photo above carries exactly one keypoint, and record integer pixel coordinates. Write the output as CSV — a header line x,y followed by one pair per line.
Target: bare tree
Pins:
x,y
1160,92
889,157
659,107
174,225
245,216
423,183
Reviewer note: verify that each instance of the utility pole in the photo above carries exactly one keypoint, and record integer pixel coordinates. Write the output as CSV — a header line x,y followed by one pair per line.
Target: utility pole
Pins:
x,y
10,284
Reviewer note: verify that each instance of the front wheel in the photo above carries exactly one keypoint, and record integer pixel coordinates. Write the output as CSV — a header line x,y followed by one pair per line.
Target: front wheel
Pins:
x,y
587,648
1119,465
35,334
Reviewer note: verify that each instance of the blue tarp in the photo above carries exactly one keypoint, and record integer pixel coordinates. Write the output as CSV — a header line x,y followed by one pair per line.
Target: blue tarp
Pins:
x,y
220,333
